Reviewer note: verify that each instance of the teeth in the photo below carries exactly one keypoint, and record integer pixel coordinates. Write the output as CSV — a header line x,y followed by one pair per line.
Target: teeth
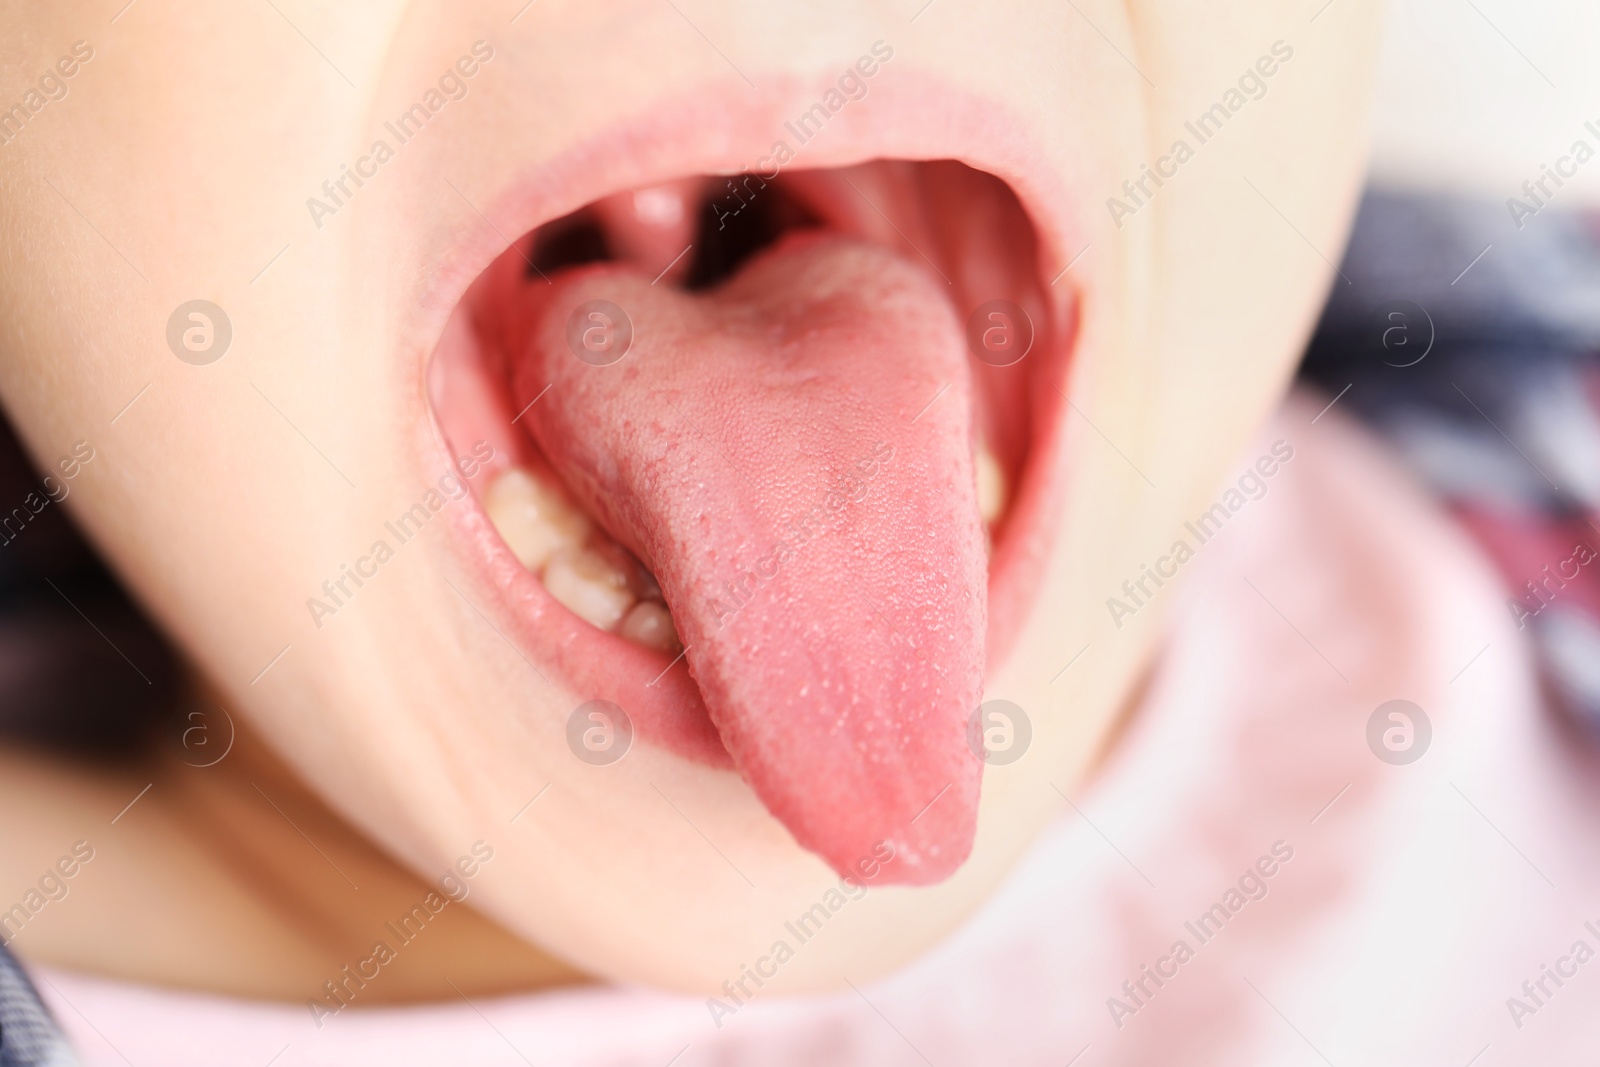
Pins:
x,y
649,624
589,585
534,520
991,486
590,575
645,586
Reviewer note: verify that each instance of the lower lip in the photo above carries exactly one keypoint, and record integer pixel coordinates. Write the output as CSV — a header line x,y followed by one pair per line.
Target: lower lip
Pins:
x,y
911,117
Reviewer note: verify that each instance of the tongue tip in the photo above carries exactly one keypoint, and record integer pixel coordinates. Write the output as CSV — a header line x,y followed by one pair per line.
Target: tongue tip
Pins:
x,y
817,536
926,848
914,863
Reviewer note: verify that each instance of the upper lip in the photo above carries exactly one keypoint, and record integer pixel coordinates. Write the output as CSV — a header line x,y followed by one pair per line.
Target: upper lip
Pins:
x,y
727,127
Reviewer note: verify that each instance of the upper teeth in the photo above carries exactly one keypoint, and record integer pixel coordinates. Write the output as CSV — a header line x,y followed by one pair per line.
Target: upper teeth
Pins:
x,y
587,572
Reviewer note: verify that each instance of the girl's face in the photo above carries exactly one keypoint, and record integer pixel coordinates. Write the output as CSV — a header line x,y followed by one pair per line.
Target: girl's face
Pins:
x,y
467,400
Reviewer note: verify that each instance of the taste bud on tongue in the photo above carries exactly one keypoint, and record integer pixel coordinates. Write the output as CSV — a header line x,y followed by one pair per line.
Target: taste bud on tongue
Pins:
x,y
769,450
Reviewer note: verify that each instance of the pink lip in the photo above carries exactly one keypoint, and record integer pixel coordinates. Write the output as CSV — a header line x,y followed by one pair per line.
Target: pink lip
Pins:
x,y
730,127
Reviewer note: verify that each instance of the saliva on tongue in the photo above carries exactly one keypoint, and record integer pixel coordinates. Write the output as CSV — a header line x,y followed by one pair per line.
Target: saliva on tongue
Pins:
x,y
791,454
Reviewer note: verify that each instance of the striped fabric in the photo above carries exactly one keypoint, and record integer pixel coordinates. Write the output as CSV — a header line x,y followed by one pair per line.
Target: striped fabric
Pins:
x,y
1471,345
29,1037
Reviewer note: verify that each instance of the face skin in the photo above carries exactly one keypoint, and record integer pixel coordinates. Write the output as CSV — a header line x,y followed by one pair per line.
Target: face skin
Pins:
x,y
426,713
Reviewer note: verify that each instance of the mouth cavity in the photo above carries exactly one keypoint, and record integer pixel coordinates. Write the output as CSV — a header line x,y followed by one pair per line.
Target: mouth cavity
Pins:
x,y
758,445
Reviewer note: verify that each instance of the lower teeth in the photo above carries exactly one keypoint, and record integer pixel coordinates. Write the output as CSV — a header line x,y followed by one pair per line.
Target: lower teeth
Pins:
x,y
534,520
588,586
991,486
649,624
595,578
588,573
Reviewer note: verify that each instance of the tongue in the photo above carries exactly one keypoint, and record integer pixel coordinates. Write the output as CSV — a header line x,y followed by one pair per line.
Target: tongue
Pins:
x,y
792,455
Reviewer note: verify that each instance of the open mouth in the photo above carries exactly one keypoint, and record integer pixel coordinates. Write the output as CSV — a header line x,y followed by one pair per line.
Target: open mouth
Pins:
x,y
768,477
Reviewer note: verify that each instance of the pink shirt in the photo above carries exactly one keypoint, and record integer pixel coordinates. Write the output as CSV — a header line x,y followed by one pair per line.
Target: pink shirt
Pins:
x,y
1333,908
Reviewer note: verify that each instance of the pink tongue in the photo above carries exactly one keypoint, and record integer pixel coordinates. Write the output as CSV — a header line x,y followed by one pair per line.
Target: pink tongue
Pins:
x,y
792,455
